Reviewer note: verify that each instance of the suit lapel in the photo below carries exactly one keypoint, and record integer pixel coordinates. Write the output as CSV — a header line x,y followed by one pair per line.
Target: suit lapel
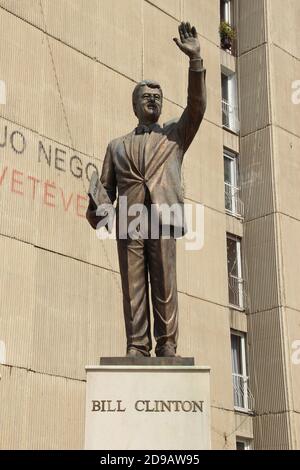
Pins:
x,y
154,147
156,151
129,150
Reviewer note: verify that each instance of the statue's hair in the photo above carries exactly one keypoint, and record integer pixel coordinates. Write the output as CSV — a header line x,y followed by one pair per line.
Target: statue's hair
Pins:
x,y
149,83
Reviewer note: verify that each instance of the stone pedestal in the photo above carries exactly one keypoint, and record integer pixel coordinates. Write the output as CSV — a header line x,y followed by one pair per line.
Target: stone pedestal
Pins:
x,y
147,406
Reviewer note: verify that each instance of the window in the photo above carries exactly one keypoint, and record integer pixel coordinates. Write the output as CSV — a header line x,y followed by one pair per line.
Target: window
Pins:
x,y
226,11
233,204
229,101
241,394
227,27
234,265
243,444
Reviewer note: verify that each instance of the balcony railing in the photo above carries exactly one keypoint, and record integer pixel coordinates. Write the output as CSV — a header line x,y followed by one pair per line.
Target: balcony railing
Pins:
x,y
236,291
230,116
233,203
243,398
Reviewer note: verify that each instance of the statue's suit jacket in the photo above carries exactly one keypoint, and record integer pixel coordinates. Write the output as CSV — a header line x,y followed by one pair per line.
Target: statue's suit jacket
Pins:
x,y
164,151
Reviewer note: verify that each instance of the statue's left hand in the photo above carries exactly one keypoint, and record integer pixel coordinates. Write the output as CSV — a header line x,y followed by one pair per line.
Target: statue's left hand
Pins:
x,y
189,42
91,215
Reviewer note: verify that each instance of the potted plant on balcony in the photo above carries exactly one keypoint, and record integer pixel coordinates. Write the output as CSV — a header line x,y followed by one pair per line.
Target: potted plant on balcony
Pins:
x,y
227,34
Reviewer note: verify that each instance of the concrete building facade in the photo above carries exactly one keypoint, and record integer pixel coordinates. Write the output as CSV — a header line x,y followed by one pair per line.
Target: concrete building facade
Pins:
x,y
67,71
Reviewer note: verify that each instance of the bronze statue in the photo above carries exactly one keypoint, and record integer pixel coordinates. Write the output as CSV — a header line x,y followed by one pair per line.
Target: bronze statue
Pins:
x,y
145,166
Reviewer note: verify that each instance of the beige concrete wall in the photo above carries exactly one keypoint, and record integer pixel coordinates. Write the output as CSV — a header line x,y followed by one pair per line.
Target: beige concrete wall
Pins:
x,y
267,370
283,28
41,411
244,426
261,264
251,26
289,234
211,324
287,170
271,432
293,365
206,17
259,241
223,429
289,231
69,69
53,307
254,90
269,64
257,186
296,418
172,7
285,69
203,168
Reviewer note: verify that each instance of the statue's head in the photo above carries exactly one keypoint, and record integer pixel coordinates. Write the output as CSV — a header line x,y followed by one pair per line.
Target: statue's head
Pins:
x,y
147,99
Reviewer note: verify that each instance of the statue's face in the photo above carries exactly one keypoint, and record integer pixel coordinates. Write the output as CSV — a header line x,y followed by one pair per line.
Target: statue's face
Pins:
x,y
148,104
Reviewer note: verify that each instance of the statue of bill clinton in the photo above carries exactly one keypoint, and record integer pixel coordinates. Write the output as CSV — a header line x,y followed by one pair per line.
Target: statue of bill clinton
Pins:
x,y
145,168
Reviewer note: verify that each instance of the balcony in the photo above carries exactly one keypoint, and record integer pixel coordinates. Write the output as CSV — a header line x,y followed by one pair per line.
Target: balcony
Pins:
x,y
230,117
243,398
233,204
236,292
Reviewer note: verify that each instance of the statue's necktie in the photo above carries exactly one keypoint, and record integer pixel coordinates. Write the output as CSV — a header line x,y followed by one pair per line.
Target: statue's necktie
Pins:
x,y
142,133
142,129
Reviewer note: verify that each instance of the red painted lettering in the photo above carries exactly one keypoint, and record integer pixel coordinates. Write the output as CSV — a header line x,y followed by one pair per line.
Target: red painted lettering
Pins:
x,y
15,181
3,175
35,181
81,207
48,196
68,202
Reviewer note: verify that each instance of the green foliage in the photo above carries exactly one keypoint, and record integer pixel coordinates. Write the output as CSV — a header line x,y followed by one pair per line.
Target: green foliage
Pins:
x,y
226,31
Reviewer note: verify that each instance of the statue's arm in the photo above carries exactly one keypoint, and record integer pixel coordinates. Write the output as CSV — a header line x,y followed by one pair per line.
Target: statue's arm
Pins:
x,y
108,175
196,101
108,180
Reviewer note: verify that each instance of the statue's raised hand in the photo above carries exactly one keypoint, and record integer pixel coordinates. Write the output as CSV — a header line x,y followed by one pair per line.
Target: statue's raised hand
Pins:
x,y
188,42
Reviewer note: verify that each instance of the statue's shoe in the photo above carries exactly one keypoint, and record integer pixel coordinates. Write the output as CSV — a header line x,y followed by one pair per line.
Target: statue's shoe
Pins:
x,y
132,352
166,351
